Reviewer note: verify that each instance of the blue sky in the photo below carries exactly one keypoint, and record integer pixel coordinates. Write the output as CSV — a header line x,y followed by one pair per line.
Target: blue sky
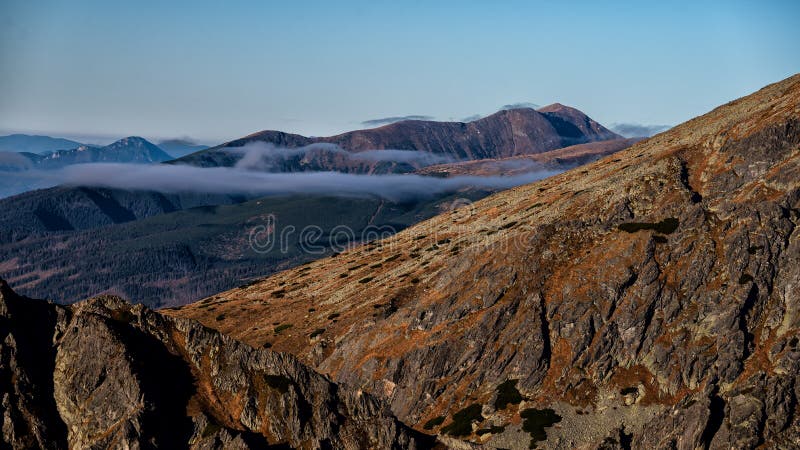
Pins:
x,y
219,70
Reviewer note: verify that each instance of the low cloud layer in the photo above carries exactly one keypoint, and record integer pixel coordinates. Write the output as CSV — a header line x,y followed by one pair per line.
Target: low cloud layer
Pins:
x,y
629,130
266,157
520,105
472,118
388,120
179,178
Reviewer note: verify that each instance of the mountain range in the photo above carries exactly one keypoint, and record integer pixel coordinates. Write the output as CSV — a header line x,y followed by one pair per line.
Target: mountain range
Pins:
x,y
132,149
26,171
171,248
506,133
646,300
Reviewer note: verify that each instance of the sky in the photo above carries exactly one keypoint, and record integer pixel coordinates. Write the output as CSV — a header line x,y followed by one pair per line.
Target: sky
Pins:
x,y
215,71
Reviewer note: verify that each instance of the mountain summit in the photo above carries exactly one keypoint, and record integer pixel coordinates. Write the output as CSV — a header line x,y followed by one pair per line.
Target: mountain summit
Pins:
x,y
647,300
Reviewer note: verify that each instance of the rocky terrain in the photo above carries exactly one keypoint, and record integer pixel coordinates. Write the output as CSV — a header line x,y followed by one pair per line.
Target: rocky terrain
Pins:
x,y
105,374
647,300
506,133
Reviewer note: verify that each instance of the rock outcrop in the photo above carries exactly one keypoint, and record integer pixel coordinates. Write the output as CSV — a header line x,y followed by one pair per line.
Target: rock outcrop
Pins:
x,y
647,300
105,374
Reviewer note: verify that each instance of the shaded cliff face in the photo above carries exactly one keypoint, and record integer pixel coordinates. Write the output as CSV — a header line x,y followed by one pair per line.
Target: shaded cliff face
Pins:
x,y
105,374
503,134
648,300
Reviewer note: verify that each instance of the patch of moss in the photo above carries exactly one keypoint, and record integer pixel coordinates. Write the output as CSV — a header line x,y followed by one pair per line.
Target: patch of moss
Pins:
x,y
536,420
435,422
462,421
507,394
279,382
282,327
666,226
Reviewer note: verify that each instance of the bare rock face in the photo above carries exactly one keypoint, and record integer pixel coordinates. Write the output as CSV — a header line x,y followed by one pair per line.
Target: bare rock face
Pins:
x,y
648,300
105,374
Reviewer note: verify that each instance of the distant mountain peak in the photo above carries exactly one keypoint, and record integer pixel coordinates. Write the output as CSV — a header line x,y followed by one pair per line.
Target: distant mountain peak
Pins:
x,y
508,132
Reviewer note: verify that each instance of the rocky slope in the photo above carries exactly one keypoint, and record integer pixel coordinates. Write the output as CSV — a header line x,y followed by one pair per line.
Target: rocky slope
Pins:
x,y
105,374
505,133
647,300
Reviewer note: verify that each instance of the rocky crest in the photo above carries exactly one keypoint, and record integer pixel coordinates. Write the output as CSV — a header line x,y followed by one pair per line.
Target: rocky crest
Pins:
x,y
647,300
105,374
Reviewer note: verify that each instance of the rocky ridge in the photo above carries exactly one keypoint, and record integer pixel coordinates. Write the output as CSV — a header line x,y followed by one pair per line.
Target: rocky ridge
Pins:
x,y
105,374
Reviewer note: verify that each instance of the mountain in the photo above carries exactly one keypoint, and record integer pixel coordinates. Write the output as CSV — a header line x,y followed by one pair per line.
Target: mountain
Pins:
x,y
180,147
127,150
67,243
506,133
646,300
34,144
171,249
105,374
23,172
